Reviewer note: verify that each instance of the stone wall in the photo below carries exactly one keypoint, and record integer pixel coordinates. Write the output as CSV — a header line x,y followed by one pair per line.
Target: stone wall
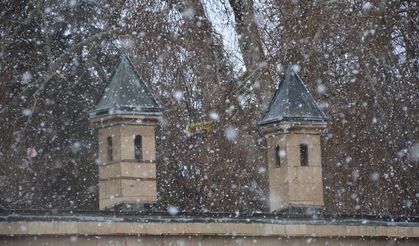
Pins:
x,y
291,183
125,179
285,229
198,240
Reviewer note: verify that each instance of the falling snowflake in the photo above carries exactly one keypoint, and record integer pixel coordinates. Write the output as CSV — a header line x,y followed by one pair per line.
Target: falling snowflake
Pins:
x,y
367,6
188,13
178,95
413,152
31,152
27,112
231,133
26,77
172,210
214,116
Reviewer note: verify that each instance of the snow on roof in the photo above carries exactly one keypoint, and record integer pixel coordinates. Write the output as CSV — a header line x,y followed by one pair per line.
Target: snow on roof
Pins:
x,y
292,103
126,93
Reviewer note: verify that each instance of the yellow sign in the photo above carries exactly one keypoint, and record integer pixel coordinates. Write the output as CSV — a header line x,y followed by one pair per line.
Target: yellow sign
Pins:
x,y
200,126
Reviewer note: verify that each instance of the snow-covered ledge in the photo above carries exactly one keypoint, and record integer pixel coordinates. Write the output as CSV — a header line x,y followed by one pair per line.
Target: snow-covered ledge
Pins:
x,y
12,225
85,228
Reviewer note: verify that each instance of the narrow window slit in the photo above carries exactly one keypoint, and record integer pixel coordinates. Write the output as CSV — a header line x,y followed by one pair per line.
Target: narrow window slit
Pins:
x,y
277,156
109,149
138,148
303,155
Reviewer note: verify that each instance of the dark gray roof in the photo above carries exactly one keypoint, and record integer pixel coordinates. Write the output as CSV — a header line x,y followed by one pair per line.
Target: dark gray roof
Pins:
x,y
204,217
292,103
126,93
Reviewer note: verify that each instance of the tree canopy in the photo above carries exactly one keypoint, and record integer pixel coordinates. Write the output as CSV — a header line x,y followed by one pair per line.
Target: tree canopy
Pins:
x,y
359,59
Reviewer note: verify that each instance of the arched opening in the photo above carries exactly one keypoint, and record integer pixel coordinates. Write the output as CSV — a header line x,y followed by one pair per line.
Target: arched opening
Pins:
x,y
303,154
138,147
277,156
109,149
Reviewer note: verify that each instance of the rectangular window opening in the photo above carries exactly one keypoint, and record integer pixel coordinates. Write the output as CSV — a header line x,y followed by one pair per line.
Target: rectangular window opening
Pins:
x,y
277,156
138,148
304,155
109,149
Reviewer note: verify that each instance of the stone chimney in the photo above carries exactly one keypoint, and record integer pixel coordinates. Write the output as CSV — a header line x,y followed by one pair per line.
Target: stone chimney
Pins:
x,y
292,127
125,118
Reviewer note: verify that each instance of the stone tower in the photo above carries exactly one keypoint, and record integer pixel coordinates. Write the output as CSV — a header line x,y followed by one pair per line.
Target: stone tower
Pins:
x,y
292,126
125,118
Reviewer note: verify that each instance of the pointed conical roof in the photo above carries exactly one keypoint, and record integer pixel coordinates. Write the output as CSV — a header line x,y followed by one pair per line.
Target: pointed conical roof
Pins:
x,y
292,103
126,93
